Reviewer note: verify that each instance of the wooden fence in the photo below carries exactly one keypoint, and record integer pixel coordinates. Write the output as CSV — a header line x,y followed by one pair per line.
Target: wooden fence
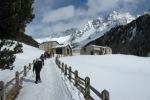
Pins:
x,y
11,89
83,85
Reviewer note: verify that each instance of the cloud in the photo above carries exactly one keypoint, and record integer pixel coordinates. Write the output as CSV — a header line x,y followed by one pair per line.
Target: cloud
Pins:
x,y
59,14
96,6
73,23
54,16
44,30
38,30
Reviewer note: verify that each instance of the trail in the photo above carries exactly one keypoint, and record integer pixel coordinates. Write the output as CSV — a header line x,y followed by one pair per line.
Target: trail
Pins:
x,y
52,86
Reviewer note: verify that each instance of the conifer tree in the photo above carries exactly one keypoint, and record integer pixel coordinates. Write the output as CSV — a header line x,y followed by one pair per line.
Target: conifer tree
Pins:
x,y
14,16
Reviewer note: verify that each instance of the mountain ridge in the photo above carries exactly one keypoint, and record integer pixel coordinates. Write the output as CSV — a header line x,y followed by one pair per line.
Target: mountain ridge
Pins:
x,y
92,29
133,38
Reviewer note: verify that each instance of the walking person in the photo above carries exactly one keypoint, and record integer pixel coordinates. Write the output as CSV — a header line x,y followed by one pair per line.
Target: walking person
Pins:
x,y
42,58
37,68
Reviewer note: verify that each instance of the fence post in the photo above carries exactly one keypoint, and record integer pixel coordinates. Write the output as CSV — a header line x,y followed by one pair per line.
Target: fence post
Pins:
x,y
2,91
69,77
17,79
62,69
76,77
25,71
29,66
105,95
65,69
21,81
87,88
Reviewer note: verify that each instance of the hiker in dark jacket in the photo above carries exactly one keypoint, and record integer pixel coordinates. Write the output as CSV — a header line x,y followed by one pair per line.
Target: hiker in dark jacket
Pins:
x,y
37,68
42,58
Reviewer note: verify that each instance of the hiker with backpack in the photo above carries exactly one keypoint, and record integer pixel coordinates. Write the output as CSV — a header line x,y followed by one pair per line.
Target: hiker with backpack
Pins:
x,y
37,66
42,58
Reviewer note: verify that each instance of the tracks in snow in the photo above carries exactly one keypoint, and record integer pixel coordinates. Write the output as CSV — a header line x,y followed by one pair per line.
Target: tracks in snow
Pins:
x,y
52,87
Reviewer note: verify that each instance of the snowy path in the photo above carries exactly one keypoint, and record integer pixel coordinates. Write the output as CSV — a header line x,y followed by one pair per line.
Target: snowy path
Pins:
x,y
52,87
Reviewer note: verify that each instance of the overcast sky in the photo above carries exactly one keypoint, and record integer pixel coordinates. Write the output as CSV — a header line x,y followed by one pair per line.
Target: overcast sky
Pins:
x,y
52,16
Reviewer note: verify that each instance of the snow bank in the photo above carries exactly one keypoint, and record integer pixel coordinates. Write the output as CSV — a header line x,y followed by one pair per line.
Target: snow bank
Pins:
x,y
125,77
28,55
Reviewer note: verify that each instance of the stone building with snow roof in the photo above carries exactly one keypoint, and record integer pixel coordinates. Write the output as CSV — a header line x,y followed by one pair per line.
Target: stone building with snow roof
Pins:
x,y
95,50
47,46
65,50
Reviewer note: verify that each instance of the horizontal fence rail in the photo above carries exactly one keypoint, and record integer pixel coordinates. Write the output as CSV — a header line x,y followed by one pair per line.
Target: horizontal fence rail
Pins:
x,y
11,89
83,85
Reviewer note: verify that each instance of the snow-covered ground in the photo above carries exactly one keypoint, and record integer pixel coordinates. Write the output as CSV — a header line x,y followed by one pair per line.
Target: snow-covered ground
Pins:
x,y
54,85
22,59
126,77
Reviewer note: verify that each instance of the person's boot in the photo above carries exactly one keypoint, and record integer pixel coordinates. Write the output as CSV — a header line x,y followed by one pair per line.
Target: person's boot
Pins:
x,y
36,82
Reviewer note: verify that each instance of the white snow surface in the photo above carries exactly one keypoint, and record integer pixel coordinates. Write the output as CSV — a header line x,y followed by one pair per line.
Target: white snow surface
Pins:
x,y
54,85
126,77
22,59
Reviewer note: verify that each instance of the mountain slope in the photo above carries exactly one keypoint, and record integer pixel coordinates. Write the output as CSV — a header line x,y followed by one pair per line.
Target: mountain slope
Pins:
x,y
21,37
133,38
97,27
92,30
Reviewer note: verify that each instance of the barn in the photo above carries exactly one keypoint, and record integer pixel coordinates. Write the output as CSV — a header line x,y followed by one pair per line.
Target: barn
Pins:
x,y
65,50
47,46
95,50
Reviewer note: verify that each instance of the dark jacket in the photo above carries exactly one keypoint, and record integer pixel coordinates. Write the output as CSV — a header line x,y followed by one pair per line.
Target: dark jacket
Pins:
x,y
37,65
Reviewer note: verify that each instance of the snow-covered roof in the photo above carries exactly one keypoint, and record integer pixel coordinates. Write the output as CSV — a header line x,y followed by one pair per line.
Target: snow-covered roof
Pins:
x,y
60,40
49,41
62,46
97,46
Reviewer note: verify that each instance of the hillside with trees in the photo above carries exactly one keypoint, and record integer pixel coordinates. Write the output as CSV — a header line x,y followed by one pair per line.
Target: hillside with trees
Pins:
x,y
14,16
133,38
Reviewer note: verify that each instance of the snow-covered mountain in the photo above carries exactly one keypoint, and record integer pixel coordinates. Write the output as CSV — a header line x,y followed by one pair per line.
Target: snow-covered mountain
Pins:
x,y
92,30
133,38
97,27
64,33
62,37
